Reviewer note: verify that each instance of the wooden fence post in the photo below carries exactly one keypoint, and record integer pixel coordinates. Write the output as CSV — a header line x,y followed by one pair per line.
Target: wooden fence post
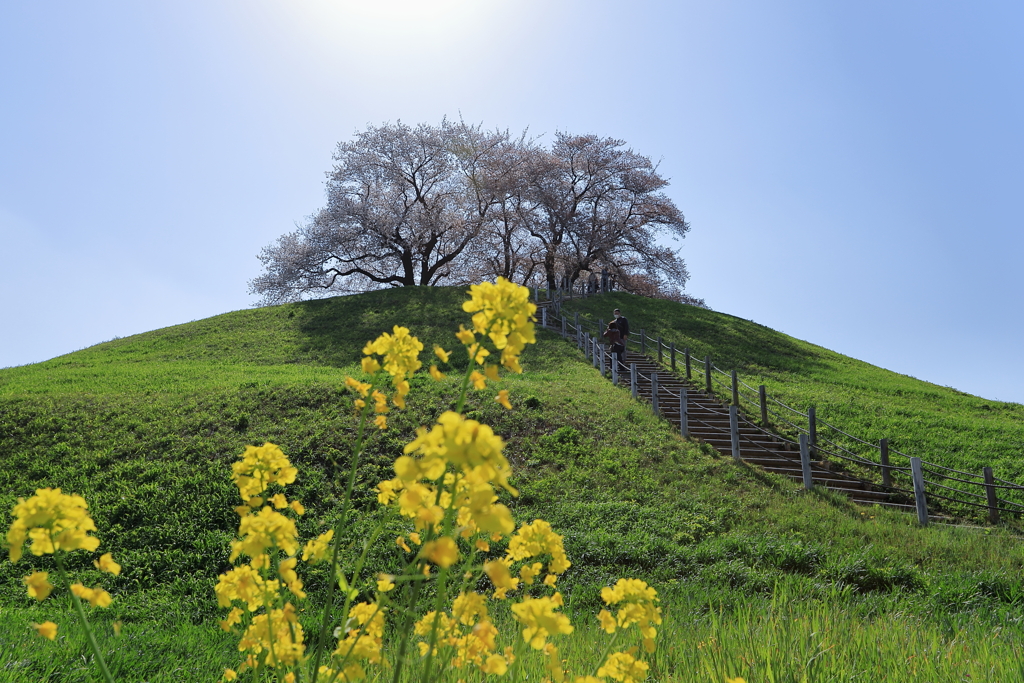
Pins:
x,y
672,351
805,463
544,317
686,359
661,356
883,451
735,390
632,379
643,341
919,499
654,393
563,327
707,375
597,349
812,432
684,427
601,352
762,395
990,493
734,432
615,370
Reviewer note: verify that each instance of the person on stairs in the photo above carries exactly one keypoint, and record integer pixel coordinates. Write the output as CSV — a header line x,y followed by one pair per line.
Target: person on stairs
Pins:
x,y
622,324
616,347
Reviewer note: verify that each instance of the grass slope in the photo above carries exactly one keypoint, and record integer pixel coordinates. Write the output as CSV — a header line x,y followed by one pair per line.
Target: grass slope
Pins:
x,y
146,427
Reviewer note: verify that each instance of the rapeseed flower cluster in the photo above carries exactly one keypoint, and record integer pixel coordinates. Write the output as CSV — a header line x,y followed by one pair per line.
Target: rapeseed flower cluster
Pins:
x,y
637,604
258,468
503,312
399,357
466,636
54,523
270,541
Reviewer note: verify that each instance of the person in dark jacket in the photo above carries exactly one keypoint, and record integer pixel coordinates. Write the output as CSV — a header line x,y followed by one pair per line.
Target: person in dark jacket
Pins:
x,y
616,347
622,324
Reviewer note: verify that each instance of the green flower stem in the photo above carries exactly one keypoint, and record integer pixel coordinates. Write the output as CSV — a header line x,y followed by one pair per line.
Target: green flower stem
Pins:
x,y
608,648
357,452
464,389
85,622
403,642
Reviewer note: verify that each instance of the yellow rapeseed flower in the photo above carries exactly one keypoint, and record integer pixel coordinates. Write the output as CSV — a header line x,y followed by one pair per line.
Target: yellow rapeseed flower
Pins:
x,y
264,530
469,608
540,619
278,634
399,350
364,637
97,597
535,539
478,380
106,564
259,467
47,629
52,521
385,582
361,388
233,617
436,374
498,572
286,570
465,336
465,443
623,667
381,422
502,398
316,550
503,312
637,604
478,509
441,354
39,586
245,585
529,572
442,551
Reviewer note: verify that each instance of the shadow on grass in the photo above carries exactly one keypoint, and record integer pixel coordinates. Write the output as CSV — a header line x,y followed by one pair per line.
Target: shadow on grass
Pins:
x,y
335,329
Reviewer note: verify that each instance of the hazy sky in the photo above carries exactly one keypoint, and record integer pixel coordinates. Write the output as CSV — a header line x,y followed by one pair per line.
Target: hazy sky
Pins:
x,y
853,172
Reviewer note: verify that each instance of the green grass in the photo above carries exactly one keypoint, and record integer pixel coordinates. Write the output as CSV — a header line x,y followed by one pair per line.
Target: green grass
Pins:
x,y
146,427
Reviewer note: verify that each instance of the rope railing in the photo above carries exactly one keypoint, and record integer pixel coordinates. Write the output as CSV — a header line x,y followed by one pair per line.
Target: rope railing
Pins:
x,y
749,397
851,436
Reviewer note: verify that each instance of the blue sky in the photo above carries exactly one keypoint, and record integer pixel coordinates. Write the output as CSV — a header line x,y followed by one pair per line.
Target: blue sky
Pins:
x,y
852,171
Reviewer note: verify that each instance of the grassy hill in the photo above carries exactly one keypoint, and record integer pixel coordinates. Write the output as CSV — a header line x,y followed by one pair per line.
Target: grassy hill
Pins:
x,y
145,427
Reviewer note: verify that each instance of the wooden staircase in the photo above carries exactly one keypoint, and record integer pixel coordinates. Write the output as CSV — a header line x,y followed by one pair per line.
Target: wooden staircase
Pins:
x,y
708,421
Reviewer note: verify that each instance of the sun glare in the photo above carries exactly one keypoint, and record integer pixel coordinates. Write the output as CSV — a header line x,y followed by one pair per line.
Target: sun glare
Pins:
x,y
397,17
